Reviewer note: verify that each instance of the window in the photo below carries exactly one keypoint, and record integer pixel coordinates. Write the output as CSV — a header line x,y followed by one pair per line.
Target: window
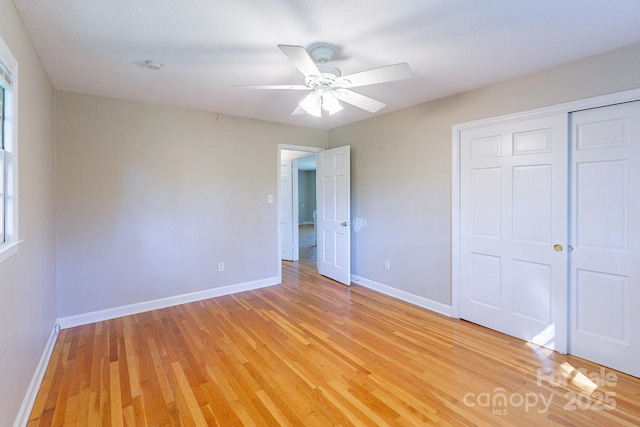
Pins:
x,y
8,154
3,164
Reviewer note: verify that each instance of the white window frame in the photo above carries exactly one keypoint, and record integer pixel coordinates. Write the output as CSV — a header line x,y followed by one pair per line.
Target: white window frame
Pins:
x,y
9,247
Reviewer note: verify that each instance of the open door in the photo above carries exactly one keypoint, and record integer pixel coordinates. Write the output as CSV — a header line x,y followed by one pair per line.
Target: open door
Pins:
x,y
334,213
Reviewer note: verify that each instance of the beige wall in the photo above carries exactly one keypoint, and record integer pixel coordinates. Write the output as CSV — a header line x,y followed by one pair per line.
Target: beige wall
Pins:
x,y
151,198
27,280
157,186
401,167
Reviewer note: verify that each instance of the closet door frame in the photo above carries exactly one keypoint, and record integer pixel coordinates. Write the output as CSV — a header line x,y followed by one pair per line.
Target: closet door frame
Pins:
x,y
565,108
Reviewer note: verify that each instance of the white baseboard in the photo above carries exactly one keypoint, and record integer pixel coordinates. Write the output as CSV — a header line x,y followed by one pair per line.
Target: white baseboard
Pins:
x,y
30,396
438,307
141,307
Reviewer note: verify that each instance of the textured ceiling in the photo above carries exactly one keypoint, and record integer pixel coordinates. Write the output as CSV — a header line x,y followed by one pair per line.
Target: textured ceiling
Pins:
x,y
207,46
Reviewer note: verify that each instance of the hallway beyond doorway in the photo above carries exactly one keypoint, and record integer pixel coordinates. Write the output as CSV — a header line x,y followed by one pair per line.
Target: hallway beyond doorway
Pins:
x,y
308,244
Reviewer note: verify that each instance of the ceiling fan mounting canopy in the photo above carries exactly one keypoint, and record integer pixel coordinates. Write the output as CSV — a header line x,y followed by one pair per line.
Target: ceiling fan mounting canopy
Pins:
x,y
328,86
322,54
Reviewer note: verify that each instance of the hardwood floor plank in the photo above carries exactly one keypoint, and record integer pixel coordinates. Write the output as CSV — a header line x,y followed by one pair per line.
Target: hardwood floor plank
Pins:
x,y
406,404
311,352
130,354
274,409
93,415
105,391
128,416
192,405
116,414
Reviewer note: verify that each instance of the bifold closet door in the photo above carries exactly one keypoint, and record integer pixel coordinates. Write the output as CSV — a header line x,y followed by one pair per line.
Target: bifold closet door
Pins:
x,y
513,228
605,262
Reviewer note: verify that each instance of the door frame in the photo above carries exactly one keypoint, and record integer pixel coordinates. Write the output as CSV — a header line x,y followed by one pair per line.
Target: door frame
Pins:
x,y
280,148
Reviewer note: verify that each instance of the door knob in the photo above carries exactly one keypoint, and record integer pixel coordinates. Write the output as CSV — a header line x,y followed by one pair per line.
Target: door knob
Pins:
x,y
345,223
557,247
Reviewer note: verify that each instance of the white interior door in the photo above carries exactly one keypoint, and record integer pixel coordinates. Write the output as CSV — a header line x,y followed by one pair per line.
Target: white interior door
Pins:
x,y
605,264
513,210
286,209
333,181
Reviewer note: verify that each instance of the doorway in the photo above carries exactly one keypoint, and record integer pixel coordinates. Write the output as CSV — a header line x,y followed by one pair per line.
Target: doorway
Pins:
x,y
296,202
333,195
305,167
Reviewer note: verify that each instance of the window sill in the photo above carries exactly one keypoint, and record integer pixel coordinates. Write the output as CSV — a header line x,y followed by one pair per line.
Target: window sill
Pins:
x,y
7,250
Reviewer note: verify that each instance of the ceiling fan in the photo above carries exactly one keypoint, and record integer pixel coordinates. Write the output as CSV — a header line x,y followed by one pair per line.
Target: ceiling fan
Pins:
x,y
327,84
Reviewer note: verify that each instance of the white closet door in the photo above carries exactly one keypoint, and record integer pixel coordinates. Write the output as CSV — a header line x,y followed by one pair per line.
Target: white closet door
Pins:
x,y
605,273
513,199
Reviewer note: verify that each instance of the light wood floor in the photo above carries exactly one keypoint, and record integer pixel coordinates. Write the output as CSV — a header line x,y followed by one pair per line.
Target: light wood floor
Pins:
x,y
311,352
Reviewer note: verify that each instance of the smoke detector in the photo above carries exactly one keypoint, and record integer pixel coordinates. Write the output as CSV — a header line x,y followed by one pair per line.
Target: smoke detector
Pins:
x,y
152,64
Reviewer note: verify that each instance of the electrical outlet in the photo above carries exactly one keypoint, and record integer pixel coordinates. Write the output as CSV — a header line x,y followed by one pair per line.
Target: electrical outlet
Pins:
x,y
221,266
387,265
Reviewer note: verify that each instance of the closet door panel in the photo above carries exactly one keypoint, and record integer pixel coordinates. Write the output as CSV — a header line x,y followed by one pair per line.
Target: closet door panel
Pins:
x,y
605,275
514,182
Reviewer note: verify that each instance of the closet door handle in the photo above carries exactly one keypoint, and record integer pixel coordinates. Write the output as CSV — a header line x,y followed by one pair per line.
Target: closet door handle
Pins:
x,y
557,247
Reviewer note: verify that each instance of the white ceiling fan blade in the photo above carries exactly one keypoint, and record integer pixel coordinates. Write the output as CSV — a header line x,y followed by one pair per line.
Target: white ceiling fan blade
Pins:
x,y
291,87
357,100
378,75
301,59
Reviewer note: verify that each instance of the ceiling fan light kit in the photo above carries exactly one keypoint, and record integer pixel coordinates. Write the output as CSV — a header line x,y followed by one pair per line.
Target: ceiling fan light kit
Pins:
x,y
328,86
330,104
312,105
317,101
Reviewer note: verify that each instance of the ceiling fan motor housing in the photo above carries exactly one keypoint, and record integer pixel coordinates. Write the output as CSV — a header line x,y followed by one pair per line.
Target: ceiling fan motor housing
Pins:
x,y
330,76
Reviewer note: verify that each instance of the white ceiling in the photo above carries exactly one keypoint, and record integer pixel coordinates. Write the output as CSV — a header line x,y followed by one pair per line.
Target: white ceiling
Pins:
x,y
207,46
